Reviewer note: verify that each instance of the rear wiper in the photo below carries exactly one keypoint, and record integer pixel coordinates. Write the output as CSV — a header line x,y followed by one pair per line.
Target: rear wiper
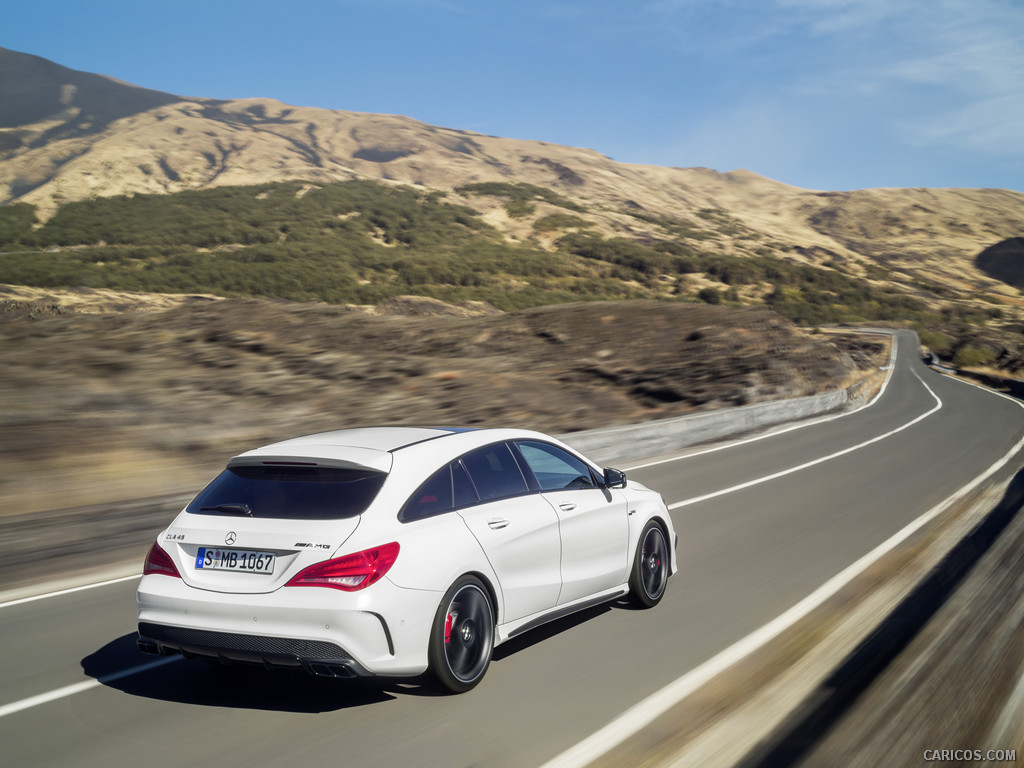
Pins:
x,y
234,509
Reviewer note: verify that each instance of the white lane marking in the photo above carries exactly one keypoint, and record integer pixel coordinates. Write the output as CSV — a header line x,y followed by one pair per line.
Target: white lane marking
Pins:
x,y
792,428
85,685
647,711
68,591
815,462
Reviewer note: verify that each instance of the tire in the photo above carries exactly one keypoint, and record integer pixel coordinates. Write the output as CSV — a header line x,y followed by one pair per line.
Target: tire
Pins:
x,y
651,565
461,637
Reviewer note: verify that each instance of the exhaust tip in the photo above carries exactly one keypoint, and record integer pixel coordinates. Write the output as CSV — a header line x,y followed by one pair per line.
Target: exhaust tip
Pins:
x,y
331,670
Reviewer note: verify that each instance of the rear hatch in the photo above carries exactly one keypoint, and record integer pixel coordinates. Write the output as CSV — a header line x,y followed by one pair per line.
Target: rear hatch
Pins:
x,y
264,519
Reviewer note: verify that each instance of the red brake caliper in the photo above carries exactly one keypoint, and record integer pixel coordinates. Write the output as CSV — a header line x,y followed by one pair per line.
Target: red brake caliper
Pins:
x,y
448,629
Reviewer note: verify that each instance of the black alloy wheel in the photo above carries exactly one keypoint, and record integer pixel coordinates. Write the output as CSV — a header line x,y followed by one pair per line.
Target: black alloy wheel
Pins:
x,y
462,636
650,567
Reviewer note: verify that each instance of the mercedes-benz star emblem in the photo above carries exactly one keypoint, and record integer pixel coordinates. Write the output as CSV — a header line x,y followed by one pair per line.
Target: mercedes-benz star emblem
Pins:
x,y
230,538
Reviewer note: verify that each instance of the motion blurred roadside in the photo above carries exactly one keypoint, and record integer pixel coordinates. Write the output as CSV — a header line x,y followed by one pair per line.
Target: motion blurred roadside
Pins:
x,y
107,398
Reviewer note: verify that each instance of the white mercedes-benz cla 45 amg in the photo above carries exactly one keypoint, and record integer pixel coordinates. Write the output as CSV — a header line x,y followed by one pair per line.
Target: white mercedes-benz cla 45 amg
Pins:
x,y
398,551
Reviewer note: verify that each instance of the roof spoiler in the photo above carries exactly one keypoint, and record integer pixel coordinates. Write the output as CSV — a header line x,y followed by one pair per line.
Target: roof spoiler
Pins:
x,y
345,458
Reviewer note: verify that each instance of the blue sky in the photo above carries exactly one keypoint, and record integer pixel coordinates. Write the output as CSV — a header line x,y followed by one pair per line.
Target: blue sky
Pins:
x,y
824,94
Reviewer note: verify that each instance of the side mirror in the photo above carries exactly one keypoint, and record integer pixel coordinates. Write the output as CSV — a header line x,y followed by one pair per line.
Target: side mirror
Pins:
x,y
614,478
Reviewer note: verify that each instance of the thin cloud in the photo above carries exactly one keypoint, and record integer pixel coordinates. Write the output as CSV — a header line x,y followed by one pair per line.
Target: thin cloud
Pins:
x,y
959,63
989,126
837,17
894,78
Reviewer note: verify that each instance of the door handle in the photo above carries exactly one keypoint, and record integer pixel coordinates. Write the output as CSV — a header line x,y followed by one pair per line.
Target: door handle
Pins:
x,y
567,506
498,522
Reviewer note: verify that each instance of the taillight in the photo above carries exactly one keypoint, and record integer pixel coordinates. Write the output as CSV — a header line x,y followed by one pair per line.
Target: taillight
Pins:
x,y
158,561
350,572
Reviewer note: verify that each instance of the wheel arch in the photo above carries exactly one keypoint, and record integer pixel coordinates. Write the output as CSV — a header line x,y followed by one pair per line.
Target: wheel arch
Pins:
x,y
492,593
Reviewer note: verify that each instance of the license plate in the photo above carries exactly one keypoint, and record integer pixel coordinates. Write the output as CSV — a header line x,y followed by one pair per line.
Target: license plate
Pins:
x,y
244,560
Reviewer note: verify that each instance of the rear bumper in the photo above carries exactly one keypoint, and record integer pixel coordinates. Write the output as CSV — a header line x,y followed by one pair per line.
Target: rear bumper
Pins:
x,y
316,657
382,630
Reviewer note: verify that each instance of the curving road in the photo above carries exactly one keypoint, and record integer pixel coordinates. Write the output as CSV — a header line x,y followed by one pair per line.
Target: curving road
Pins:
x,y
762,524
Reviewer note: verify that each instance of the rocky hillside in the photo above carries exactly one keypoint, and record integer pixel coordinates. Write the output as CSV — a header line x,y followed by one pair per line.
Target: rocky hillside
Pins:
x,y
67,135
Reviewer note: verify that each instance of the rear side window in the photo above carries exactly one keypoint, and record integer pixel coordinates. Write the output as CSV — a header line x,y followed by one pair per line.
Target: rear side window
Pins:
x,y
431,498
447,489
289,492
495,473
554,468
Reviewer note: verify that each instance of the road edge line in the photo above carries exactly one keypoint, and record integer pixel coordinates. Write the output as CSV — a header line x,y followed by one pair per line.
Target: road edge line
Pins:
x,y
85,685
68,590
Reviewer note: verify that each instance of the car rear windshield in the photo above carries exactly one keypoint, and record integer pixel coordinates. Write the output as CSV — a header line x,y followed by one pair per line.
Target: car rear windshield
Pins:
x,y
289,492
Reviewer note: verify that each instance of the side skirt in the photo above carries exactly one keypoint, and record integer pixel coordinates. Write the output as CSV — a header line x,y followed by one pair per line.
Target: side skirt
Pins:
x,y
513,629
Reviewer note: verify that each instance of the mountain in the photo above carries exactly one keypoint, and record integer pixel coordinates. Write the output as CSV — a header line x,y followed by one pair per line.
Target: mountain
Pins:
x,y
37,92
67,135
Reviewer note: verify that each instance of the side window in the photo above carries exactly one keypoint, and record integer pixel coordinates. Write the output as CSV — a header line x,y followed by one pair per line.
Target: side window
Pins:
x,y
494,472
555,468
431,498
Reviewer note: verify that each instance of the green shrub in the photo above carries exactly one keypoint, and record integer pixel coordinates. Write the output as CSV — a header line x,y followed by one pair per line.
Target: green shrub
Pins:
x,y
934,341
15,222
972,357
519,209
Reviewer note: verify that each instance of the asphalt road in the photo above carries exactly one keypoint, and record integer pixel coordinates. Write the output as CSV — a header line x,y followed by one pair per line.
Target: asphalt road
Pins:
x,y
745,557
